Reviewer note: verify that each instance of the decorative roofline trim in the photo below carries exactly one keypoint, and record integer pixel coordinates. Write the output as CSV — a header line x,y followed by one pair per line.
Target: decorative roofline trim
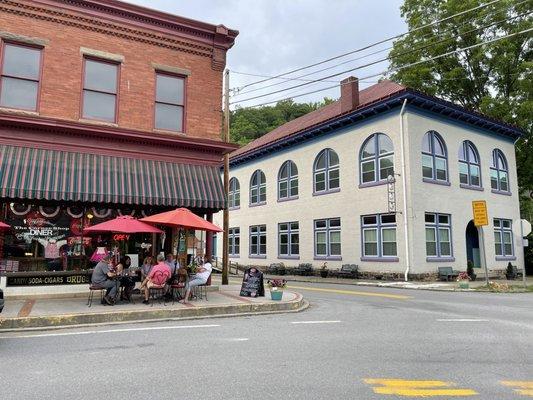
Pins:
x,y
414,98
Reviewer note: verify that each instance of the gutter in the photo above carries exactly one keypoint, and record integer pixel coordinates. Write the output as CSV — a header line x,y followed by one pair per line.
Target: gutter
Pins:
x,y
404,194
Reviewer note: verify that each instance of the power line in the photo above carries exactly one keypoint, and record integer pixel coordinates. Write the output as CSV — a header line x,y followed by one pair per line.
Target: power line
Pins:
x,y
296,78
403,66
374,44
377,61
268,76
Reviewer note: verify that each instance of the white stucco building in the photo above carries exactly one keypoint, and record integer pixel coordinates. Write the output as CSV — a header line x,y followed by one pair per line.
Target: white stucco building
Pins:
x,y
316,189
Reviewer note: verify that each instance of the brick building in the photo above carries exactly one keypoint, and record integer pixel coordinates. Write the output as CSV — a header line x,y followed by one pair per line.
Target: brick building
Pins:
x,y
106,108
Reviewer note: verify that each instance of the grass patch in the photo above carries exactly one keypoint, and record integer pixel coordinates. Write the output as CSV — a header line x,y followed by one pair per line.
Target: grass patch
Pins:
x,y
497,287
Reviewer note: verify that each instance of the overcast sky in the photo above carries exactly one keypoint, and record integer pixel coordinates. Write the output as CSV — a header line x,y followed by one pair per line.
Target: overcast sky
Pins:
x,y
277,36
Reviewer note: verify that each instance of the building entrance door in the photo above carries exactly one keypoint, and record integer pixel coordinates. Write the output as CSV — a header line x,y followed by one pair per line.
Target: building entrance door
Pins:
x,y
472,245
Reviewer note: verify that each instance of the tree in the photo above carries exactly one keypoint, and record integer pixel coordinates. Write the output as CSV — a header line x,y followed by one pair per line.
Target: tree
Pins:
x,y
495,79
248,124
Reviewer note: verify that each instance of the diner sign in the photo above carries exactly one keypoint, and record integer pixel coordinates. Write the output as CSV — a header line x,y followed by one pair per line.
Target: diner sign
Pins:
x,y
252,283
44,280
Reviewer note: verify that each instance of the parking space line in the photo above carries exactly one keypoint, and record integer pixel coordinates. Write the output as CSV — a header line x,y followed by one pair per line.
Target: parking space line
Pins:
x,y
524,388
353,292
418,388
315,322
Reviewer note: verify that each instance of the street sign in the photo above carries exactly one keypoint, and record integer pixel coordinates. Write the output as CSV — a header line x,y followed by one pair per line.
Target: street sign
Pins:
x,y
526,227
479,208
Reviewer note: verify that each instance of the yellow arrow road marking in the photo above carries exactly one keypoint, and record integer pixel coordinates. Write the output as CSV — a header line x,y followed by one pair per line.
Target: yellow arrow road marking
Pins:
x,y
353,292
400,387
525,388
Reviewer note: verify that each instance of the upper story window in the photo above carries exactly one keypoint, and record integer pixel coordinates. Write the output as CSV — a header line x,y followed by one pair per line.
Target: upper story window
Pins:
x,y
376,159
100,88
21,75
258,188
469,165
434,157
288,181
169,102
234,195
499,172
326,171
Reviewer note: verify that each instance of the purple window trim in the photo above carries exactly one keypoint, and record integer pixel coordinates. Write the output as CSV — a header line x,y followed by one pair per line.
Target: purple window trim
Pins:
x,y
261,203
501,192
371,184
234,208
332,258
505,258
288,199
327,192
263,256
440,259
380,259
234,256
280,257
470,187
435,136
436,182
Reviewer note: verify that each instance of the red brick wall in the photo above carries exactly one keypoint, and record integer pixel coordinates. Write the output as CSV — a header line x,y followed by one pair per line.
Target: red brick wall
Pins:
x,y
62,75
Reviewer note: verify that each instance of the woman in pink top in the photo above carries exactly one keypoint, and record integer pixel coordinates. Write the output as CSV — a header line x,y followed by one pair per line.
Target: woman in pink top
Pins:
x,y
158,277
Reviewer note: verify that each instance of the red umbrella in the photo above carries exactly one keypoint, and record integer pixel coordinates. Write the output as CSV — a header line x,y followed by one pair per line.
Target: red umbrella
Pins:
x,y
4,227
123,224
182,218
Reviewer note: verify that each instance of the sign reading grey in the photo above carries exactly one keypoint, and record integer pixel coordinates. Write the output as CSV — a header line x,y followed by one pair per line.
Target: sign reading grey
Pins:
x,y
252,283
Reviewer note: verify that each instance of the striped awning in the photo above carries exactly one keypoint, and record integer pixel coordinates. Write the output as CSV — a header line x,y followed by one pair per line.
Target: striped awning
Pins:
x,y
37,174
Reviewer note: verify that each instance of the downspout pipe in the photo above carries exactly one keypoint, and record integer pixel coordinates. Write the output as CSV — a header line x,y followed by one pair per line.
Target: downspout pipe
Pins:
x,y
404,194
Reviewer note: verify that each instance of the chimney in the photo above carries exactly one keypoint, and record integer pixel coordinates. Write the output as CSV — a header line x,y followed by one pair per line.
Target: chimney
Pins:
x,y
349,94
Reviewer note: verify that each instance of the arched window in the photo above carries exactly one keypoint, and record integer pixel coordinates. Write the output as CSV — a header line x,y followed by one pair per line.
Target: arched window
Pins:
x,y
288,180
469,165
326,171
258,188
434,157
234,196
499,172
376,158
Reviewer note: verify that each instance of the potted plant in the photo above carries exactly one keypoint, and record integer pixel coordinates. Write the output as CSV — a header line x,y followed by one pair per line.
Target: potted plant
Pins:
x,y
510,273
463,280
324,270
276,287
470,270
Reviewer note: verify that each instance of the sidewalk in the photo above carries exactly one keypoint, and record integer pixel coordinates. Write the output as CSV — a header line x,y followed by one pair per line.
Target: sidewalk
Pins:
x,y
59,312
418,285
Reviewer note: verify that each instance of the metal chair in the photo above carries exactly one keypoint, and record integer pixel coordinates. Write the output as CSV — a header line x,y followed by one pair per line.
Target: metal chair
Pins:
x,y
158,290
92,289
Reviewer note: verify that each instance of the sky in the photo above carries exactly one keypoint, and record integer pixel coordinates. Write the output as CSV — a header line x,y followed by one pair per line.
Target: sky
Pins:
x,y
276,36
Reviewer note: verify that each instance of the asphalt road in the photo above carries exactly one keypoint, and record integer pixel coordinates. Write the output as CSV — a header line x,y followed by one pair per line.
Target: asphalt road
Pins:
x,y
352,343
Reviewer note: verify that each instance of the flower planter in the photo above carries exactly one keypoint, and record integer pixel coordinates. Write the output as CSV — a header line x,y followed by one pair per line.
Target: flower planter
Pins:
x,y
276,294
463,285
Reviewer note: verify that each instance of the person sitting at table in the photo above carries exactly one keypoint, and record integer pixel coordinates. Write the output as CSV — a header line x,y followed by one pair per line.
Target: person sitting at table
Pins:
x,y
172,263
146,267
103,276
126,281
199,278
158,276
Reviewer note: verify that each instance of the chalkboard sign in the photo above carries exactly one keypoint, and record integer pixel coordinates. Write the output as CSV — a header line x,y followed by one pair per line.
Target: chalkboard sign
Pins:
x,y
252,283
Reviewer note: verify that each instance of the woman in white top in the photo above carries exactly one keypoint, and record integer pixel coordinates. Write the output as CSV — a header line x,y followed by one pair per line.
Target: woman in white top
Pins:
x,y
199,278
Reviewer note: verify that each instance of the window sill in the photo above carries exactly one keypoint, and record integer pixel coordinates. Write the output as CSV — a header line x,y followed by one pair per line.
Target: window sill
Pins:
x,y
380,259
372,184
19,111
234,256
257,204
98,122
501,192
234,208
257,256
169,132
326,192
287,199
440,259
288,257
436,182
325,258
505,258
470,187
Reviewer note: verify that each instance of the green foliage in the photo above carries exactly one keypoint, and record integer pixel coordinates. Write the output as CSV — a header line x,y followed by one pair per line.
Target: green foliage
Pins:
x,y
248,124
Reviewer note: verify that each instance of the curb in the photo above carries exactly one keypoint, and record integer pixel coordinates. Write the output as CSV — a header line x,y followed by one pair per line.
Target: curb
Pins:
x,y
121,317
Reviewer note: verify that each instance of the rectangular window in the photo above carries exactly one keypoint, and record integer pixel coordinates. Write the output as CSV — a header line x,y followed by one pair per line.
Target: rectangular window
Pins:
x,y
440,164
503,238
21,74
379,235
169,102
328,237
234,241
438,235
463,173
258,240
100,88
369,171
289,239
427,166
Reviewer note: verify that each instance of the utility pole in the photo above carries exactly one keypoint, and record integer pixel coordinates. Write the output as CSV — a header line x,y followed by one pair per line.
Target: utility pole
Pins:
x,y
225,238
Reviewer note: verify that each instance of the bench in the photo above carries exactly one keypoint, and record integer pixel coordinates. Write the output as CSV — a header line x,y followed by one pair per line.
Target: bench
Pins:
x,y
348,271
304,269
447,273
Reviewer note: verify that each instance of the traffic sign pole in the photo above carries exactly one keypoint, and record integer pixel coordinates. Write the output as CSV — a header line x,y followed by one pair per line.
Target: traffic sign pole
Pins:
x,y
481,218
482,253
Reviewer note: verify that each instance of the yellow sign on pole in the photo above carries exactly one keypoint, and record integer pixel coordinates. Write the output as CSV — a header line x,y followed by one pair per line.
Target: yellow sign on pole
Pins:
x,y
479,208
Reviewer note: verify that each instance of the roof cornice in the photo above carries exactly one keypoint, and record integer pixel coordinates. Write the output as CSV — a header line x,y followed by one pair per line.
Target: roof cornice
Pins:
x,y
414,98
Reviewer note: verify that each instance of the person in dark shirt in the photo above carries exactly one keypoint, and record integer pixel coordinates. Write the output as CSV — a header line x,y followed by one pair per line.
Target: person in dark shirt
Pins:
x,y
104,277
